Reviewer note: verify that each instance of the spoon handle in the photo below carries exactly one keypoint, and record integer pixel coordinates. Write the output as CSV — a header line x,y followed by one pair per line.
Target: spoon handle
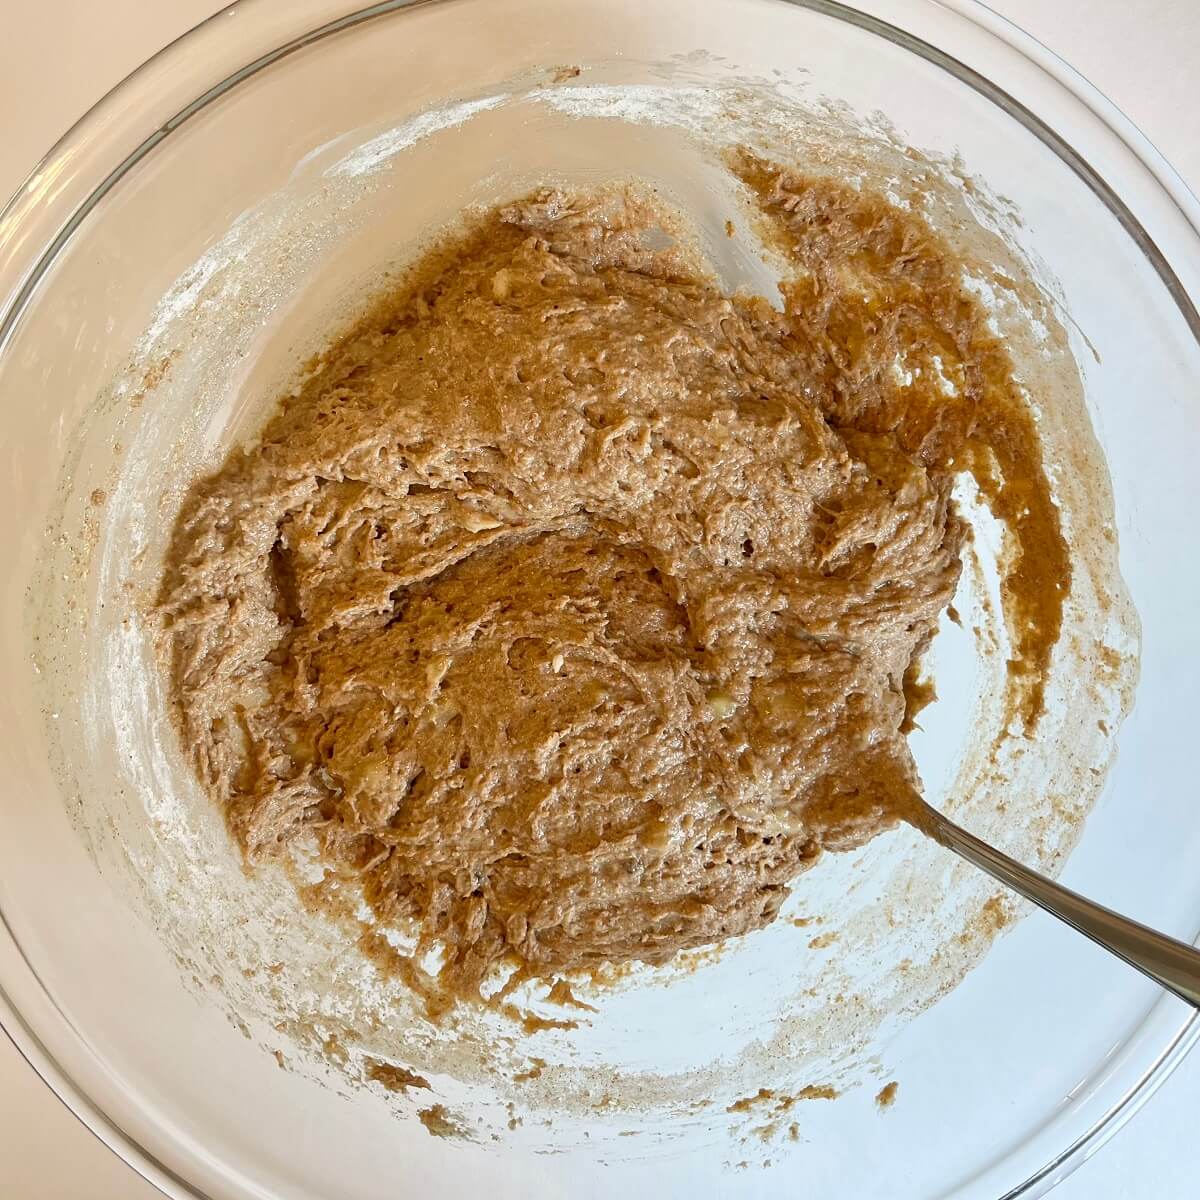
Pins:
x,y
1173,964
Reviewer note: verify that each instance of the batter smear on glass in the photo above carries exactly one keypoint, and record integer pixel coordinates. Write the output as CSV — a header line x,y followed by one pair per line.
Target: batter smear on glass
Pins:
x,y
571,608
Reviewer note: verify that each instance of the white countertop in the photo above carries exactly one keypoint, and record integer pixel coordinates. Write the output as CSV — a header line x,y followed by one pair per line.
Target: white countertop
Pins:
x,y
59,56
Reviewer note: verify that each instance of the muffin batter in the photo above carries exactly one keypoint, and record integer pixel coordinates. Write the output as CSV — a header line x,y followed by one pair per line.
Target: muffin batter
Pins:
x,y
569,607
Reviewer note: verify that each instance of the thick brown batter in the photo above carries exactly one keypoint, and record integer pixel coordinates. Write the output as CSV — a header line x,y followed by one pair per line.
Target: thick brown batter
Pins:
x,y
570,604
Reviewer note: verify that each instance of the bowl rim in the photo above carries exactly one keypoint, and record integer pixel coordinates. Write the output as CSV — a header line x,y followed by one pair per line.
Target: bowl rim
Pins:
x,y
61,209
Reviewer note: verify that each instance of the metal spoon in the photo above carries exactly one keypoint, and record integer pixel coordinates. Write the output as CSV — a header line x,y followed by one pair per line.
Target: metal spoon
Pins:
x,y
1173,964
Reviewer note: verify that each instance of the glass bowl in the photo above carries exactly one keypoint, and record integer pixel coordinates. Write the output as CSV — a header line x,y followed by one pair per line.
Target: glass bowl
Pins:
x,y
165,266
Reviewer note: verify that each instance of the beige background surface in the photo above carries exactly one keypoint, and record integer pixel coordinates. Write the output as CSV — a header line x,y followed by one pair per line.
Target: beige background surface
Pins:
x,y
58,57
